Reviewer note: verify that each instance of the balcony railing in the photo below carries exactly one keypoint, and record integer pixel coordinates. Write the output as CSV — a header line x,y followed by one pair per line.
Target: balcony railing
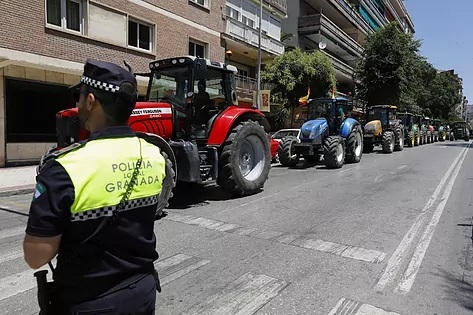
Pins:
x,y
313,23
280,5
374,11
250,36
246,85
355,16
340,65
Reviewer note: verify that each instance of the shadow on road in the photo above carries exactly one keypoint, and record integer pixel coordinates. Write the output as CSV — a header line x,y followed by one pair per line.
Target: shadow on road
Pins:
x,y
189,195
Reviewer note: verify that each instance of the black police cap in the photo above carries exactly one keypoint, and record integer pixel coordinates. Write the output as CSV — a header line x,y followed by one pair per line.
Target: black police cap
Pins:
x,y
106,76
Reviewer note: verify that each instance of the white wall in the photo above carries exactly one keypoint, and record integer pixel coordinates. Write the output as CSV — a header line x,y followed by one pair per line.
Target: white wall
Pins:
x,y
270,23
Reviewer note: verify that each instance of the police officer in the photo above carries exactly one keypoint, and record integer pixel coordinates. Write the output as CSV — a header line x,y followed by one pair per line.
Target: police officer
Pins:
x,y
95,202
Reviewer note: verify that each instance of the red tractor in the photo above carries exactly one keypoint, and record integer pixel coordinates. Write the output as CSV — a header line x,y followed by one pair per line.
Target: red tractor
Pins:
x,y
214,140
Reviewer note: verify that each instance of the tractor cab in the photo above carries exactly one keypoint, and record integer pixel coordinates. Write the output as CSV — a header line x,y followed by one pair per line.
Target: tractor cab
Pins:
x,y
333,110
407,119
383,128
197,90
460,130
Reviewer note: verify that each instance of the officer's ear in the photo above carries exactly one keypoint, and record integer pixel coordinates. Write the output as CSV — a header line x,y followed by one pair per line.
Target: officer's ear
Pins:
x,y
91,101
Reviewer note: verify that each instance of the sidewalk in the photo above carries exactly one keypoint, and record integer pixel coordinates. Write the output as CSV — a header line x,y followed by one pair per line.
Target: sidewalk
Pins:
x,y
17,180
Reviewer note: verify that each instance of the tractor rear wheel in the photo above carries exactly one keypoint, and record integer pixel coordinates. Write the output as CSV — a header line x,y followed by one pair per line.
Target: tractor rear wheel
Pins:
x,y
410,139
245,160
287,156
368,145
388,142
399,140
354,149
334,152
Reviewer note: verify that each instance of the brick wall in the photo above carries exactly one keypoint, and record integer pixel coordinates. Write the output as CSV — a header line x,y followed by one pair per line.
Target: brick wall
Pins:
x,y
22,27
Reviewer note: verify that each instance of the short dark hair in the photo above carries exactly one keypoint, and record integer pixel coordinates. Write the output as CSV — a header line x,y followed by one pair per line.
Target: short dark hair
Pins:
x,y
116,106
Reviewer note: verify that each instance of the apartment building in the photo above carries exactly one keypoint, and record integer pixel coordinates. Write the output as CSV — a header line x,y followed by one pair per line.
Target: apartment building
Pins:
x,y
44,43
241,37
338,28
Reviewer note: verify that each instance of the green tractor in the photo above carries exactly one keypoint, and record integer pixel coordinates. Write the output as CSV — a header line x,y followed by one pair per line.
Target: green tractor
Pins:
x,y
411,129
440,130
383,128
422,130
427,130
460,130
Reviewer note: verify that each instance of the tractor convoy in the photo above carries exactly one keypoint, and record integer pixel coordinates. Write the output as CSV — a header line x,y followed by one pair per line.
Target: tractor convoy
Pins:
x,y
205,136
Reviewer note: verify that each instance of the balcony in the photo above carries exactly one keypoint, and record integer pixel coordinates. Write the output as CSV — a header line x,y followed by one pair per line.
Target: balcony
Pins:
x,y
310,25
239,31
344,71
353,16
281,5
373,11
246,85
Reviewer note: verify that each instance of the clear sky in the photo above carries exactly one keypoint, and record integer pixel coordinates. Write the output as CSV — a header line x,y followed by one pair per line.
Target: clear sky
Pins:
x,y
445,30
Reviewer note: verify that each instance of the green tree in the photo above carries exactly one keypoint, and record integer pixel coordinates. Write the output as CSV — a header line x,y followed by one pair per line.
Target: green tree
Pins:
x,y
443,95
389,69
294,71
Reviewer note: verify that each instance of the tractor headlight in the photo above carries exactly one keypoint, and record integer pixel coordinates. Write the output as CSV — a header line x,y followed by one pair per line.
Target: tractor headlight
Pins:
x,y
312,133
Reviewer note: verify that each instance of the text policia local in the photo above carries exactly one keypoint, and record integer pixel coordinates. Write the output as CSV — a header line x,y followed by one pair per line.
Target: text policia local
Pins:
x,y
127,170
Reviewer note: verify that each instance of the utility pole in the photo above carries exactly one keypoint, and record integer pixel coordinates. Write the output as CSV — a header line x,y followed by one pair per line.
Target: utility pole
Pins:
x,y
258,79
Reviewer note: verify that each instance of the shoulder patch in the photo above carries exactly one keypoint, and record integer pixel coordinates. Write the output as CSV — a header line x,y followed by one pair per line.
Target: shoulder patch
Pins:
x,y
39,190
65,150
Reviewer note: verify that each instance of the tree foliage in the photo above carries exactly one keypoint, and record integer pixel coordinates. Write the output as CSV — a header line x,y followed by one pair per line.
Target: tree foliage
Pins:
x,y
392,71
389,64
294,71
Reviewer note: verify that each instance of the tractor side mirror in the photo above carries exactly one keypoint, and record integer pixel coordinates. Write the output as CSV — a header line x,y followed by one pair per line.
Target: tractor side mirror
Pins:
x,y
200,69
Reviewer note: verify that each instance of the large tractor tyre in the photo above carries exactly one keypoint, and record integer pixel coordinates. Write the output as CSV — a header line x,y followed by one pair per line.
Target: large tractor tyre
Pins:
x,y
410,139
334,152
354,146
416,140
287,156
441,137
368,145
388,142
245,160
168,184
429,139
399,140
467,137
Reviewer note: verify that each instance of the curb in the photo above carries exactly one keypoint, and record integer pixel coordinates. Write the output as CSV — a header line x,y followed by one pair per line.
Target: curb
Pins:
x,y
16,190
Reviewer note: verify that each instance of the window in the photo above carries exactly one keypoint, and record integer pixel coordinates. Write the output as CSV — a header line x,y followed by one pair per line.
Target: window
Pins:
x,y
67,14
197,49
201,2
234,14
247,21
140,35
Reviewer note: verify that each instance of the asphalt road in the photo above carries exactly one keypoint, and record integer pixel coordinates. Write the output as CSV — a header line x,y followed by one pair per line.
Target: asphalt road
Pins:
x,y
378,237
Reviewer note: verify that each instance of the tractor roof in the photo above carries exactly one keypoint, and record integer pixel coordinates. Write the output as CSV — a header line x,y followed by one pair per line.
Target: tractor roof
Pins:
x,y
337,99
183,60
406,114
384,106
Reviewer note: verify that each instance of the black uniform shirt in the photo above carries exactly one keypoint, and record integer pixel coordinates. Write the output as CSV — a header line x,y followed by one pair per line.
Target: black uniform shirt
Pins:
x,y
116,253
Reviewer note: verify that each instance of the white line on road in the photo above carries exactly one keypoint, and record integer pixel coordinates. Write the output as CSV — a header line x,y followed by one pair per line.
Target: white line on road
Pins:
x,y
402,166
351,307
406,282
177,266
347,251
244,296
394,263
11,256
18,230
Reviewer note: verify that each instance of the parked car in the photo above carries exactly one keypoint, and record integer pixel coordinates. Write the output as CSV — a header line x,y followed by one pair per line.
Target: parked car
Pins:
x,y
274,150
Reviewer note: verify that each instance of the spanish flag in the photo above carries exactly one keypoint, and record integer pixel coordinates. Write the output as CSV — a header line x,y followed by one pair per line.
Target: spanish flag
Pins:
x,y
303,100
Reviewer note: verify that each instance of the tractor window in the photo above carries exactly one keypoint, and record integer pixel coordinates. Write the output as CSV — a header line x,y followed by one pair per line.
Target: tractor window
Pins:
x,y
378,114
169,83
317,109
405,120
214,85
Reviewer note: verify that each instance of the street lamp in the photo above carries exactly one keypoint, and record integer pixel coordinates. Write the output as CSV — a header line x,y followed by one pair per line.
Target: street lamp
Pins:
x,y
258,79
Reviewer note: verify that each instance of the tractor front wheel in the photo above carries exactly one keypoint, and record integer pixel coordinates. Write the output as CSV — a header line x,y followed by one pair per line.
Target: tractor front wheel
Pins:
x,y
354,149
334,152
245,160
287,156
399,141
388,142
410,139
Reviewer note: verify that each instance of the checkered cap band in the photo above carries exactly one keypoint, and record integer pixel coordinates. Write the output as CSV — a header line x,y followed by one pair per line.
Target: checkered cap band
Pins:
x,y
109,210
100,85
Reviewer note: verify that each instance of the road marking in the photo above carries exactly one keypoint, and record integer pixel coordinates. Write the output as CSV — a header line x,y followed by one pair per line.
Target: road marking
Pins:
x,y
347,251
177,266
394,263
351,307
407,280
402,166
11,256
17,283
9,232
243,296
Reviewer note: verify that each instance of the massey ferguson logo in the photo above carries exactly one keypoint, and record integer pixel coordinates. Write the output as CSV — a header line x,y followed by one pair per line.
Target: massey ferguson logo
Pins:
x,y
147,111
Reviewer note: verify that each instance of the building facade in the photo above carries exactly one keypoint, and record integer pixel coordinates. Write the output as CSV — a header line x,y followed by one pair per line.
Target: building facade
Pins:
x,y
338,28
44,43
241,38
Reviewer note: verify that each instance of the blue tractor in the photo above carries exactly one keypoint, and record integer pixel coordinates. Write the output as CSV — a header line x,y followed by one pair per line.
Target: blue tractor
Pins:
x,y
327,132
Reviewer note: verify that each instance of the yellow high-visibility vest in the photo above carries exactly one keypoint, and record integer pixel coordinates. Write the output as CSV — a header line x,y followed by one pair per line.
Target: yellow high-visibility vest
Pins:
x,y
101,171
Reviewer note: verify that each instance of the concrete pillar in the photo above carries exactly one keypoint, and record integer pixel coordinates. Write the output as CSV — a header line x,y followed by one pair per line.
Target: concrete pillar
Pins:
x,y
2,120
